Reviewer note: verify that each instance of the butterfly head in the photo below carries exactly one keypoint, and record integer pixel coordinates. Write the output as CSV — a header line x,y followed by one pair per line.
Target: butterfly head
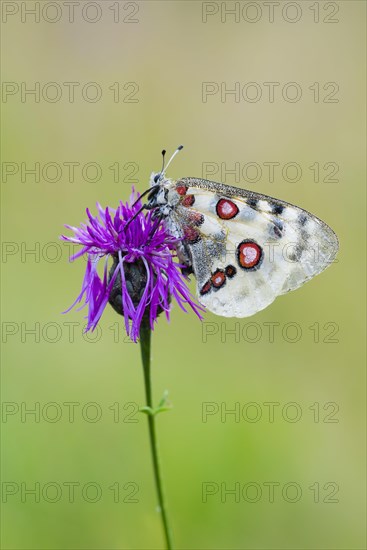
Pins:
x,y
159,185
158,178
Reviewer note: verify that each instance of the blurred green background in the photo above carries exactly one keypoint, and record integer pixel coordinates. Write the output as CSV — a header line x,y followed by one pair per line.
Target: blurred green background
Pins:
x,y
312,371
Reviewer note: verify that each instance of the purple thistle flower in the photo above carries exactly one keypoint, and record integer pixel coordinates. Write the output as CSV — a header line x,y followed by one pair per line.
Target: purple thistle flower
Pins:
x,y
143,276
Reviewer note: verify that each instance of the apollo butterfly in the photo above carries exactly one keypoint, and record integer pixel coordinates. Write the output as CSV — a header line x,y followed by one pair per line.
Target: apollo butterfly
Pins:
x,y
244,248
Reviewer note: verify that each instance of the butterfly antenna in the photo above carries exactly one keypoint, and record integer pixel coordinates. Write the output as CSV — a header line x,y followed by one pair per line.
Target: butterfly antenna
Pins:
x,y
143,195
153,186
150,189
173,156
163,155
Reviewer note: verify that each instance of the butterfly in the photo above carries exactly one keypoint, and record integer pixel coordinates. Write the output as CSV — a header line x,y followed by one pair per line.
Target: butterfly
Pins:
x,y
244,248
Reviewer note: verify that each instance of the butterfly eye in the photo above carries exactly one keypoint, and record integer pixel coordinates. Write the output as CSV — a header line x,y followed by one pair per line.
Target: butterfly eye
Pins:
x,y
156,177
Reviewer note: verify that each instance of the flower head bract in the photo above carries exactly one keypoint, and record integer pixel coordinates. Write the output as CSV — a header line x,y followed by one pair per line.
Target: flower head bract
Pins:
x,y
139,271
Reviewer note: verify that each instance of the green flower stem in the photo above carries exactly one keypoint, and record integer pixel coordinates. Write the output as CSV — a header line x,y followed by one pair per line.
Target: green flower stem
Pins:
x,y
145,339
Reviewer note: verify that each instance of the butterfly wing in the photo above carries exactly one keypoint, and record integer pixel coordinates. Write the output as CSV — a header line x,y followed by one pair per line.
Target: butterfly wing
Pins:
x,y
246,248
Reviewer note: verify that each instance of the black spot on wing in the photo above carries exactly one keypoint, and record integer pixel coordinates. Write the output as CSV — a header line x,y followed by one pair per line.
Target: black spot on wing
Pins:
x,y
277,209
302,220
277,228
230,271
296,253
253,203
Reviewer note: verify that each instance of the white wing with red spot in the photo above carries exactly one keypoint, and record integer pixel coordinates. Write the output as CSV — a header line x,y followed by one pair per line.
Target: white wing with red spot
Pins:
x,y
245,249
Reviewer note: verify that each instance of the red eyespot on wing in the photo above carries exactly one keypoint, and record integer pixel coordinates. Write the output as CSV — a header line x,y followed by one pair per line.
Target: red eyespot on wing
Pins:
x,y
205,288
188,200
249,254
191,234
230,271
196,218
226,209
181,189
218,278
